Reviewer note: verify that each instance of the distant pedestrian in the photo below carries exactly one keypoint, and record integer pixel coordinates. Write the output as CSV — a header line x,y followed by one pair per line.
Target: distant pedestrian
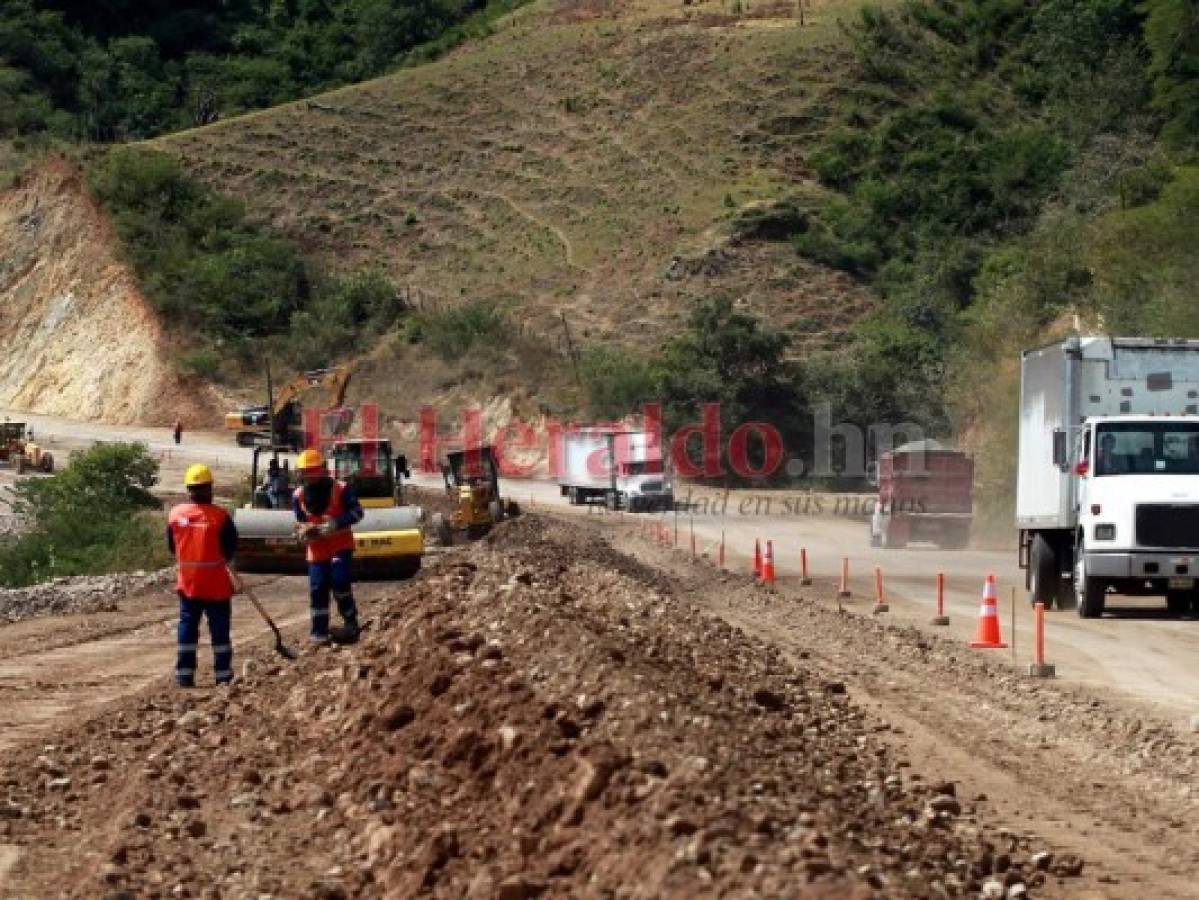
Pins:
x,y
203,539
178,431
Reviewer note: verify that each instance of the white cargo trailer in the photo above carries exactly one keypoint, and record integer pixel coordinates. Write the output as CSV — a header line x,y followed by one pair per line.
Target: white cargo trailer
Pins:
x,y
621,469
1107,495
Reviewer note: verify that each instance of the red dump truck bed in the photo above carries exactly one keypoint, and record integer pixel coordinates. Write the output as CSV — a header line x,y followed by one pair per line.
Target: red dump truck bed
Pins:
x,y
923,495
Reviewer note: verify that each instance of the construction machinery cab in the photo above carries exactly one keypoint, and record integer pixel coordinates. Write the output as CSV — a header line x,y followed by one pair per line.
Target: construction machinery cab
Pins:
x,y
472,481
271,483
369,467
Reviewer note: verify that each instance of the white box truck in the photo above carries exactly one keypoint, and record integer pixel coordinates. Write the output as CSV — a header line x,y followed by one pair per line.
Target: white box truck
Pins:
x,y
1107,494
621,469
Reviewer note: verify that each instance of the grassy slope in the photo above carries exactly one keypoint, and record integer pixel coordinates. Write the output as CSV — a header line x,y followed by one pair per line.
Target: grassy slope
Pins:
x,y
562,163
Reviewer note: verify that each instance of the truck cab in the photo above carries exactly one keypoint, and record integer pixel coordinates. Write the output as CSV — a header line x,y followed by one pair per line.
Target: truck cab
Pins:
x,y
1137,496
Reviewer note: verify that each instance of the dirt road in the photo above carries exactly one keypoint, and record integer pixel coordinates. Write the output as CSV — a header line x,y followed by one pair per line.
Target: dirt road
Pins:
x,y
1134,649
562,709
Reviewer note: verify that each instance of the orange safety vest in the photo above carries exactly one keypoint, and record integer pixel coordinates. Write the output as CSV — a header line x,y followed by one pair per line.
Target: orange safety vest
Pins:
x,y
203,571
323,549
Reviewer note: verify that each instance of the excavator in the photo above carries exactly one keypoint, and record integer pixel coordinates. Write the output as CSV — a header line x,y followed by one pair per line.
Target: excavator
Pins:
x,y
388,542
281,422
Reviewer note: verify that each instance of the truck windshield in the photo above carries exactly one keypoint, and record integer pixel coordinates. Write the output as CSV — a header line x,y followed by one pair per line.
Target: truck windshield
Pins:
x,y
1147,448
645,467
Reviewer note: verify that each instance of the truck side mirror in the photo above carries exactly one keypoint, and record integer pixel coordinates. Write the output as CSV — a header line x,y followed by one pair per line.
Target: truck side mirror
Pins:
x,y
1060,452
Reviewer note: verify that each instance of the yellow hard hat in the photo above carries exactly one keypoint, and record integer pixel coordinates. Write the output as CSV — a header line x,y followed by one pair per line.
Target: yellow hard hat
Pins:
x,y
310,459
197,475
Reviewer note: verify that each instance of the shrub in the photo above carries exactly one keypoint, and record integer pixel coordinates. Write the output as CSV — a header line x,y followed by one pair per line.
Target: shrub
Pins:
x,y
201,363
453,332
93,517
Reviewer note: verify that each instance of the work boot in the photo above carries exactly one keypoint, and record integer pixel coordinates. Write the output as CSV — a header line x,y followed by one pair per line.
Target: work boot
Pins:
x,y
346,634
185,682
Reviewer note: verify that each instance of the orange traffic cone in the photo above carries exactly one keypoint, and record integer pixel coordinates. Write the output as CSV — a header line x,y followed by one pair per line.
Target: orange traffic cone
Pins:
x,y
757,558
988,620
768,564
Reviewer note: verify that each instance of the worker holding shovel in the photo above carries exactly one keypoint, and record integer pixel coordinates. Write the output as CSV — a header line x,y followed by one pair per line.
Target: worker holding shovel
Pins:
x,y
203,539
326,509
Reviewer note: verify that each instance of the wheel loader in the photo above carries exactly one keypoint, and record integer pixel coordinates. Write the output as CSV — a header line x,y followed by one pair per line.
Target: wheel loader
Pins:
x,y
472,481
388,542
22,453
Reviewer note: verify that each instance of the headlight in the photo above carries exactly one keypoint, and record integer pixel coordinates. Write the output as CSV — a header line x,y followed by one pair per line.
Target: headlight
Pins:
x,y
1105,532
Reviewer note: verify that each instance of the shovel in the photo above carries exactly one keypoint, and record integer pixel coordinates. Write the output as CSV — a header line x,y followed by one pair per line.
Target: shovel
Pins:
x,y
280,648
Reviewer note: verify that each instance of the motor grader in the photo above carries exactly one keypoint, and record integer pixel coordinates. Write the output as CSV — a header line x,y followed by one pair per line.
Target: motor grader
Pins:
x,y
472,480
22,453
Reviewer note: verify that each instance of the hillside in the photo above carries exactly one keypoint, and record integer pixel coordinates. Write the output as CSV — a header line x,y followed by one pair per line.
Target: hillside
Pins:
x,y
81,340
592,159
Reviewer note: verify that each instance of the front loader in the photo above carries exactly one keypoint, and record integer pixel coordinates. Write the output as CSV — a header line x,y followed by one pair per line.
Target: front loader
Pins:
x,y
20,452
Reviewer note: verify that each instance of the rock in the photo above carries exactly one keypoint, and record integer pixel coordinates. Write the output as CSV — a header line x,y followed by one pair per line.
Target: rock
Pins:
x,y
834,687
1017,891
517,887
508,737
993,890
680,826
191,720
1195,723
1068,865
142,820
770,700
945,804
101,763
397,716
1042,860
196,828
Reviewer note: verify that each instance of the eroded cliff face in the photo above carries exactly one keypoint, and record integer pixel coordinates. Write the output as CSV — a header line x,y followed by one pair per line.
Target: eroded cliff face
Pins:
x,y
78,339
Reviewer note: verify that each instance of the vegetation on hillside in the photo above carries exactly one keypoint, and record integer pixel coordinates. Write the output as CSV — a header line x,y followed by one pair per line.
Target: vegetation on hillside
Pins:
x,y
226,286
722,356
94,517
121,69
1003,167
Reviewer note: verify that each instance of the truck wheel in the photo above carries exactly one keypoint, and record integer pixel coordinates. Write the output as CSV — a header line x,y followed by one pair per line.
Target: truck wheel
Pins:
x,y
21,464
612,500
1044,575
572,495
496,511
1089,592
513,509
47,463
1178,603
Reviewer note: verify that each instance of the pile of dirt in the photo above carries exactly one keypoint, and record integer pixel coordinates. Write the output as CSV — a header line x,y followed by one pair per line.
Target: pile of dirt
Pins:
x,y
63,295
83,594
535,715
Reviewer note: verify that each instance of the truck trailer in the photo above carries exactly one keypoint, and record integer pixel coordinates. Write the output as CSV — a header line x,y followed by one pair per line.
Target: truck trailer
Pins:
x,y
924,494
621,469
1107,496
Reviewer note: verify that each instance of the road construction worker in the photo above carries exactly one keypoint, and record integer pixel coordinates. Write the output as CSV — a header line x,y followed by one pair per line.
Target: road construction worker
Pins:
x,y
203,539
325,510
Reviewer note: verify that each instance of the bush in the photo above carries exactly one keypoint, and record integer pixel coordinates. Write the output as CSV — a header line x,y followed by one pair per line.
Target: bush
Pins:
x,y
452,333
93,517
617,383
204,364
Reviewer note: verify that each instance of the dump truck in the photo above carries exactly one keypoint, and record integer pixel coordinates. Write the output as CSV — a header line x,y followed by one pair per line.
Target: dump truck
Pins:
x,y
21,452
924,494
388,542
620,469
472,481
1107,487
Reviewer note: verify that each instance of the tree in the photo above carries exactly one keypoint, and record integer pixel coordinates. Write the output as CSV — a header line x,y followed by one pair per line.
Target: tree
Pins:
x,y
1172,34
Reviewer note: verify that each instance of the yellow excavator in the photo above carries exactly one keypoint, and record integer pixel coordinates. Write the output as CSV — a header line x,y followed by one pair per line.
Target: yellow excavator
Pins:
x,y
281,422
388,542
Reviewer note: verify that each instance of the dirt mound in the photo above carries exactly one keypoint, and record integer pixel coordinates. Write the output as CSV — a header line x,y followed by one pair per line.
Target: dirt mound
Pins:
x,y
537,715
89,346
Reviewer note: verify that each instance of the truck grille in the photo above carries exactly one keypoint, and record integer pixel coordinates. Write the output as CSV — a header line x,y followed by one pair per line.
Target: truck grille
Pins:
x,y
651,487
1167,524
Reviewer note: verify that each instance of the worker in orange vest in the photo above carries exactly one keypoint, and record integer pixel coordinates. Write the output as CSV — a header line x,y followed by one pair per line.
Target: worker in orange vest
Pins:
x,y
326,509
203,539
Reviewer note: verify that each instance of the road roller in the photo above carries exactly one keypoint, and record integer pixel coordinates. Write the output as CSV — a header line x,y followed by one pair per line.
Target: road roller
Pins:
x,y
388,542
